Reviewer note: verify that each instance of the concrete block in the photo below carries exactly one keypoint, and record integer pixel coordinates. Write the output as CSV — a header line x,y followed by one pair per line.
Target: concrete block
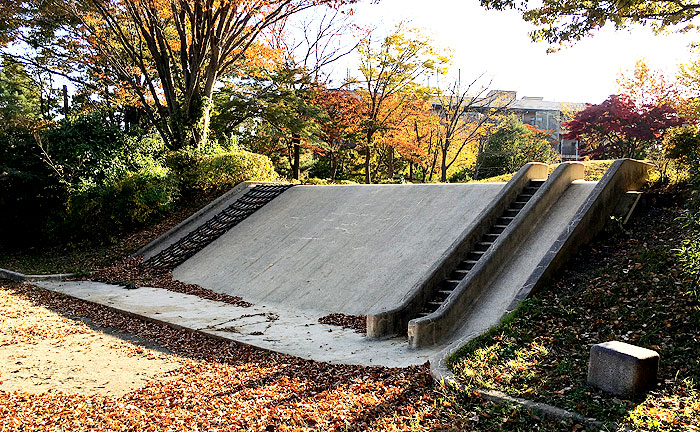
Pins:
x,y
622,369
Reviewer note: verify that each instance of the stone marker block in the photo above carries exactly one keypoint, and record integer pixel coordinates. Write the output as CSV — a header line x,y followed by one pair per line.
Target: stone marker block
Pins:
x,y
621,368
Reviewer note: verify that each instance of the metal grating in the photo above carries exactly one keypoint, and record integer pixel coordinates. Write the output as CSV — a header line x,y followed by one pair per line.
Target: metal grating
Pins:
x,y
193,242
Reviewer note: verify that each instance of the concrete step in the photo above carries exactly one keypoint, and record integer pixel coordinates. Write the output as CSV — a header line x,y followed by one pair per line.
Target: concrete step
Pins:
x,y
537,183
459,274
530,190
511,212
504,220
482,246
444,293
466,264
517,205
523,198
475,255
497,229
490,237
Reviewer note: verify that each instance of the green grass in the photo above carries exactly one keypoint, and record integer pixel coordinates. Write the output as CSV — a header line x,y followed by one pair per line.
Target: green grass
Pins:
x,y
628,286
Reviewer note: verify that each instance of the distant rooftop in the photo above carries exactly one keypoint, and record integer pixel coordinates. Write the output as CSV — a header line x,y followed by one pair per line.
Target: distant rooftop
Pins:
x,y
508,98
498,98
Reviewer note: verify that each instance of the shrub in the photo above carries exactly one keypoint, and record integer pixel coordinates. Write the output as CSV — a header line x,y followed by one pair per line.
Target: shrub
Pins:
x,y
136,199
462,175
225,170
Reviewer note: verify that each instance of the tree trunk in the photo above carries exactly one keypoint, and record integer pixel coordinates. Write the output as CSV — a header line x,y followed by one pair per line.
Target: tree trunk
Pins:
x,y
390,163
410,171
443,167
296,139
368,175
368,154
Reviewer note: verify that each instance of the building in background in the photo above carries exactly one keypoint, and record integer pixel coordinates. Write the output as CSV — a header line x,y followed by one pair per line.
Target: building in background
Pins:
x,y
535,111
545,115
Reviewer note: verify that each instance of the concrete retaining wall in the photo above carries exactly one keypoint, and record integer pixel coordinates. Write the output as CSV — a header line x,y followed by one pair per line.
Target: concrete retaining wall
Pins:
x,y
395,321
197,219
21,277
622,176
433,328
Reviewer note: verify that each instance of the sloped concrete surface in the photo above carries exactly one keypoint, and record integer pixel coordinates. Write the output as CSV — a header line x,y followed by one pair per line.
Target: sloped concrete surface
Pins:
x,y
489,308
350,249
290,332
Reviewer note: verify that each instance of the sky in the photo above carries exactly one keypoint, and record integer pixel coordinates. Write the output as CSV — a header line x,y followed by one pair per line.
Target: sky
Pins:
x,y
497,43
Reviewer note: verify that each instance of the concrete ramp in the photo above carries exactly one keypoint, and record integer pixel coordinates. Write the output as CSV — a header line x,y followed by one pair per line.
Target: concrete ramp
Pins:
x,y
431,266
339,249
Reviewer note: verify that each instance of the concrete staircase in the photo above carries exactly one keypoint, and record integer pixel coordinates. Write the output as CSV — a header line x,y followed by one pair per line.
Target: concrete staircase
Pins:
x,y
487,240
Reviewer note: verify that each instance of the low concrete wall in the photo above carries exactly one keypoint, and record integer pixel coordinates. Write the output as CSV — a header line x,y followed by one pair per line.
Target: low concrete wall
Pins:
x,y
431,329
395,321
21,277
197,219
622,176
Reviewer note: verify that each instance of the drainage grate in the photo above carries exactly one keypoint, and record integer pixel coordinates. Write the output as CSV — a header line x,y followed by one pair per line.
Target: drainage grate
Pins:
x,y
193,242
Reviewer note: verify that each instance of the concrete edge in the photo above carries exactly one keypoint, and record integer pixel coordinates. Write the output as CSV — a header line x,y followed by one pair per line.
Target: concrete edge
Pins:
x,y
21,277
442,374
386,323
623,175
196,219
429,330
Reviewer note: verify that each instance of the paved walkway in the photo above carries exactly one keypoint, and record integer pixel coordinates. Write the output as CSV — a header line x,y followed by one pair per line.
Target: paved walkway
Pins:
x,y
269,327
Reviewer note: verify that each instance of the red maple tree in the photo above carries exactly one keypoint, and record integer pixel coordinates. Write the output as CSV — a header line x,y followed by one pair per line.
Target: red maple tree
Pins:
x,y
620,128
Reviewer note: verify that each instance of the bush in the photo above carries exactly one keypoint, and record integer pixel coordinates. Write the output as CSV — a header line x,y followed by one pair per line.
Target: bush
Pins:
x,y
462,175
136,199
225,170
324,181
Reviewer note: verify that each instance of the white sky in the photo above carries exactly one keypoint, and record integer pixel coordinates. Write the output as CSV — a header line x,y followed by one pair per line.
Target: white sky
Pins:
x,y
498,44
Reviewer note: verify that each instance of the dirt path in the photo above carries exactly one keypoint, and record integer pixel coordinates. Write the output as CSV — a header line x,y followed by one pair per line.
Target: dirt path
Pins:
x,y
60,370
42,351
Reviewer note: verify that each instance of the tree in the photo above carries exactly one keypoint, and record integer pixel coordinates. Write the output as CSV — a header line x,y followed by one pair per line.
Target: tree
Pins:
x,y
561,21
19,94
465,114
512,145
167,56
389,81
620,128
689,81
340,128
313,46
424,130
644,86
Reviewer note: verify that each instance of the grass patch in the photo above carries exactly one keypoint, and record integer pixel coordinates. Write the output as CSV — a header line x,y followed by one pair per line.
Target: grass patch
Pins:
x,y
628,286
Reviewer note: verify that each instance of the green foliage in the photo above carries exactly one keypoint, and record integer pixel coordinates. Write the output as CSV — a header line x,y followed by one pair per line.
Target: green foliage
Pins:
x,y
684,147
513,145
86,149
689,253
19,95
133,200
224,170
561,21
29,194
462,175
